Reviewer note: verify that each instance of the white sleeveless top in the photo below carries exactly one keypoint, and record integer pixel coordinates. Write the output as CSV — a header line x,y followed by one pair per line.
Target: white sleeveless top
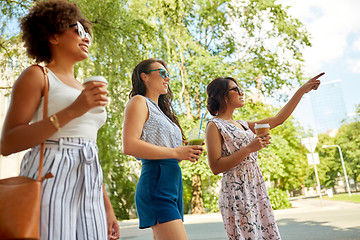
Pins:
x,y
60,97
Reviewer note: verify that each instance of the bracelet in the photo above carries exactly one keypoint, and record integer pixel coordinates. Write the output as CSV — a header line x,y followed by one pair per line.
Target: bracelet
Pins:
x,y
55,122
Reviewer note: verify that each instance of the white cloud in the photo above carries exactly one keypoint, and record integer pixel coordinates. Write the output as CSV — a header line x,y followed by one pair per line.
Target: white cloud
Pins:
x,y
356,45
354,65
329,22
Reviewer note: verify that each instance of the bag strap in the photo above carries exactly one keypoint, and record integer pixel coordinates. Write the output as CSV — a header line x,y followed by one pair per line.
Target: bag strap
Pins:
x,y
46,97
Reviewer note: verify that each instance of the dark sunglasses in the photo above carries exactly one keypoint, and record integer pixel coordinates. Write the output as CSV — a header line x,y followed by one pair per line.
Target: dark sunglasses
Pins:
x,y
81,31
237,88
163,73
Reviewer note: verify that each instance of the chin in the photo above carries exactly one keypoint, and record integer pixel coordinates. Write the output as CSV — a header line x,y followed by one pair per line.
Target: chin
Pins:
x,y
241,104
81,58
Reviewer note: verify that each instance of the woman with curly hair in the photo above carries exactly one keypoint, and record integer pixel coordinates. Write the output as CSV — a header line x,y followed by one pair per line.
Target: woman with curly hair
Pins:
x,y
74,204
153,135
233,150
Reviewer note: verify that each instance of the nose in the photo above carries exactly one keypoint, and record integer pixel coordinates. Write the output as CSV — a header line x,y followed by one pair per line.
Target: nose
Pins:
x,y
87,40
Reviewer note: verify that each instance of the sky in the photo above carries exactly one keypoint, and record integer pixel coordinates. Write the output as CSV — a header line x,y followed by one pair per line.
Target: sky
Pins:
x,y
334,27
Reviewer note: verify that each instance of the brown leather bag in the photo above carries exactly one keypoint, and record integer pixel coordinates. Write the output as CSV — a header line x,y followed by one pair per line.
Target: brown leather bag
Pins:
x,y
20,197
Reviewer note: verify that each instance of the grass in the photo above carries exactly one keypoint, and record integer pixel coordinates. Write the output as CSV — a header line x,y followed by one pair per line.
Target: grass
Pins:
x,y
355,197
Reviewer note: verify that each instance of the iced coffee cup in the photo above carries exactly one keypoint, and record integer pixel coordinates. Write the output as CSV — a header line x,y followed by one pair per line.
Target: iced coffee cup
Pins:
x,y
196,137
87,81
262,128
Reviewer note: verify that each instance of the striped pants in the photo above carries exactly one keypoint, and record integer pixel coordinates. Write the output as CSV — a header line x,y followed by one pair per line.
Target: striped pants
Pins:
x,y
72,203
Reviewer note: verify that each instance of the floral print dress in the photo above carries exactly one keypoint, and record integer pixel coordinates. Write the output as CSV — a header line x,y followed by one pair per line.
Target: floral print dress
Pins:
x,y
244,202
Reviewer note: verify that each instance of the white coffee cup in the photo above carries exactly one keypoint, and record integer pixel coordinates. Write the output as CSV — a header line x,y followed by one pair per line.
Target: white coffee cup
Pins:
x,y
98,109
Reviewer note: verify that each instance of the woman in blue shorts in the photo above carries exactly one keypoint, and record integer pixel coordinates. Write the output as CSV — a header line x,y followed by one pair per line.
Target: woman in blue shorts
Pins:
x,y
152,134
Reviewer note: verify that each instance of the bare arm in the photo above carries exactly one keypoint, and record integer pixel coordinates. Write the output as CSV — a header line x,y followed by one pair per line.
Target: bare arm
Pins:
x,y
135,116
219,164
112,224
288,109
18,134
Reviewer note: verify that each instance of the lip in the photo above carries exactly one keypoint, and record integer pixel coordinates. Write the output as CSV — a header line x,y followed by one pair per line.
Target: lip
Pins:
x,y
84,47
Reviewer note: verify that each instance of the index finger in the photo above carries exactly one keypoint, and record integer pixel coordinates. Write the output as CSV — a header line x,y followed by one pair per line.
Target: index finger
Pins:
x,y
317,76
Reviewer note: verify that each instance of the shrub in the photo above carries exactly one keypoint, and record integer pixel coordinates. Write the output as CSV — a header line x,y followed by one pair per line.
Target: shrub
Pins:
x,y
278,198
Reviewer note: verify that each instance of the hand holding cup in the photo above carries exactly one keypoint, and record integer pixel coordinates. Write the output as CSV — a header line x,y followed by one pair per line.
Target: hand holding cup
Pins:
x,y
263,131
87,82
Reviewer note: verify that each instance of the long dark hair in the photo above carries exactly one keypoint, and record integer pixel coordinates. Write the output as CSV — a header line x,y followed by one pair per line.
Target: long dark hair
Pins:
x,y
217,90
139,88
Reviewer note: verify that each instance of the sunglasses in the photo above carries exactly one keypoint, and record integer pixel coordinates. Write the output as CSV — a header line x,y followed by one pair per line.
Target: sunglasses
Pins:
x,y
81,31
237,88
163,73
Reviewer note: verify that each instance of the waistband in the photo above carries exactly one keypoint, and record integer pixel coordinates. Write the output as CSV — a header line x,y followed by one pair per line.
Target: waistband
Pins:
x,y
160,161
70,143
88,147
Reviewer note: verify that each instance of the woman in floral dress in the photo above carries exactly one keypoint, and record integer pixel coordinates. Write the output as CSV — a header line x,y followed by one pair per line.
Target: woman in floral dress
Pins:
x,y
232,150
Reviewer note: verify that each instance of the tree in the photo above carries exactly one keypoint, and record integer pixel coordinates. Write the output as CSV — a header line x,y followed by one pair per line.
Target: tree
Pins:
x,y
200,40
329,166
197,38
115,52
206,46
348,138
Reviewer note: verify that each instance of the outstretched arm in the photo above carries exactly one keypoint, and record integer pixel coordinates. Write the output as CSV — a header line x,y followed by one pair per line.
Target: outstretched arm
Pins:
x,y
288,109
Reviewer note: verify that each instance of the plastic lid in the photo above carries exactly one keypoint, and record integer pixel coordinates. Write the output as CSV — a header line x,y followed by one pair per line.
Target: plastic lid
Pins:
x,y
262,125
95,78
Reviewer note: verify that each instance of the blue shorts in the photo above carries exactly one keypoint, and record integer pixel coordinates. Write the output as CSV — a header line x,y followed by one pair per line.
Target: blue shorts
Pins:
x,y
159,192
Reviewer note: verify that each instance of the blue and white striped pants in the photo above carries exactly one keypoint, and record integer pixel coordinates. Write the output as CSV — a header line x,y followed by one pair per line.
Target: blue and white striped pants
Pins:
x,y
72,203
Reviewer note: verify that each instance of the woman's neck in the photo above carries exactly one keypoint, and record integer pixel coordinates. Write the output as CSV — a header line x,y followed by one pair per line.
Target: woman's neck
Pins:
x,y
62,66
226,115
154,97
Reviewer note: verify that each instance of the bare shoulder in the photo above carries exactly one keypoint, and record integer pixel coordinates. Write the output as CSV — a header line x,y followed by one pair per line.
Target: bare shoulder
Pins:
x,y
137,101
32,77
210,124
136,108
212,130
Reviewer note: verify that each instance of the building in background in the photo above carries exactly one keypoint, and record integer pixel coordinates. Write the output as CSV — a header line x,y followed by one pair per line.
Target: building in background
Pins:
x,y
328,106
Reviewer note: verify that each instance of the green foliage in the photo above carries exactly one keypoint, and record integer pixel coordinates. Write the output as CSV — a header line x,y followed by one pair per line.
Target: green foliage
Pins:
x,y
211,188
329,165
348,138
278,198
200,40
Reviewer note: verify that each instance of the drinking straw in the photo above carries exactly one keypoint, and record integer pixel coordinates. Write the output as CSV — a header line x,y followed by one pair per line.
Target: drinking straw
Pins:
x,y
202,118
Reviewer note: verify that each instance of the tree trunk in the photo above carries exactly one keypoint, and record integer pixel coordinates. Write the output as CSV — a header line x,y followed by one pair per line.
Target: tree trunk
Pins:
x,y
355,176
197,204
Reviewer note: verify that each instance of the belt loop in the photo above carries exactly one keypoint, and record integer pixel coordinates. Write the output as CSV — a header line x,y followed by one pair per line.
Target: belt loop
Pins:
x,y
61,141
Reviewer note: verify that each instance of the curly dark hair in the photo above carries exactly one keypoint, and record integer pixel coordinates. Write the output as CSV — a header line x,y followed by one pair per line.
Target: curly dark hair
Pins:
x,y
216,91
44,20
139,88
